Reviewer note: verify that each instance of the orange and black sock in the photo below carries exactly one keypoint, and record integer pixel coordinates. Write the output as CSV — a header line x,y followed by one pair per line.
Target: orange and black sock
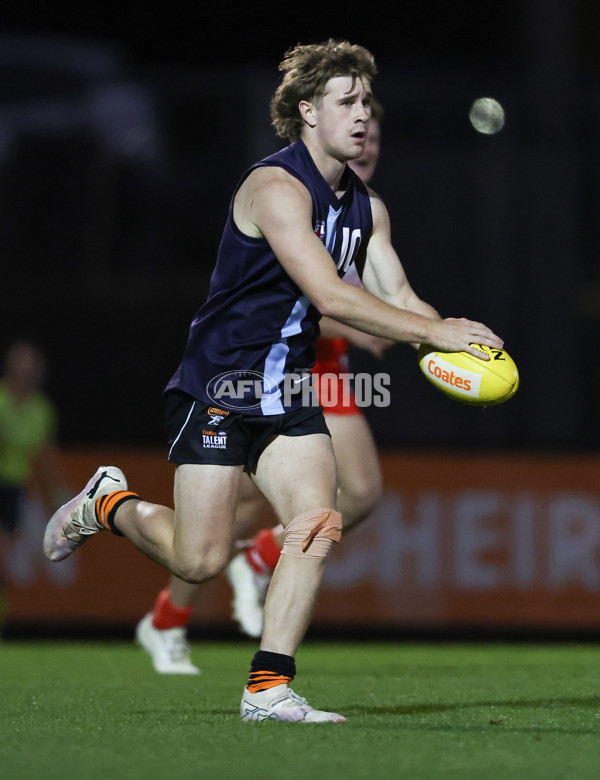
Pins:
x,y
166,615
270,669
106,508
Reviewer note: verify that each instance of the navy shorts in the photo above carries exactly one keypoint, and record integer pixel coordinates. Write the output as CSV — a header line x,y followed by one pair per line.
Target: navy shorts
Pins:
x,y
201,433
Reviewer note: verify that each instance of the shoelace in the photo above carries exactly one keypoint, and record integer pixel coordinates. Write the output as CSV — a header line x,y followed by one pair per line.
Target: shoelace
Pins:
x,y
79,523
288,694
74,528
78,527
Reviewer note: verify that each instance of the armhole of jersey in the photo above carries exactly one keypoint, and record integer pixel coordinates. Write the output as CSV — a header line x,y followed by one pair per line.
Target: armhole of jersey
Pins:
x,y
261,164
234,227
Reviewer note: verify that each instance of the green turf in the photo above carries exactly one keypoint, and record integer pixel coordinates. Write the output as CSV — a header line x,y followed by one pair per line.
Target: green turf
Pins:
x,y
414,711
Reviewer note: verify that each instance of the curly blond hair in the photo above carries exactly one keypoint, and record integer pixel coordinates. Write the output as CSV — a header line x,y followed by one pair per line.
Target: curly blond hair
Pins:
x,y
306,70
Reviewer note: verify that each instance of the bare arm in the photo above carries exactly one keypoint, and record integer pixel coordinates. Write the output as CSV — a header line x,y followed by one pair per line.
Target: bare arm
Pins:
x,y
376,345
384,275
275,205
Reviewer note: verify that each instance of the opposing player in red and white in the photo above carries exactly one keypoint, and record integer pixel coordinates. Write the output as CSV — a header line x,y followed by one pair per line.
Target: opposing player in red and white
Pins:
x,y
162,632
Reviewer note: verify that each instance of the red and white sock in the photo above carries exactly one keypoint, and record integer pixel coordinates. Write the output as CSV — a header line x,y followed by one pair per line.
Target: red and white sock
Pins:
x,y
166,615
265,552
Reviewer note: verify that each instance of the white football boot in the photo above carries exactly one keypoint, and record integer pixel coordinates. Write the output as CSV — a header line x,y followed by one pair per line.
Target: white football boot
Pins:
x,y
74,523
168,648
281,703
249,589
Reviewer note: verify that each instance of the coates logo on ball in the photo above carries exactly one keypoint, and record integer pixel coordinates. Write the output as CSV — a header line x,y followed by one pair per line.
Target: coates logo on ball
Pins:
x,y
468,379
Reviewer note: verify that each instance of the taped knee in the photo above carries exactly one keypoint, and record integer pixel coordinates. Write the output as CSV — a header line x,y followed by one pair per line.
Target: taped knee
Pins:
x,y
311,535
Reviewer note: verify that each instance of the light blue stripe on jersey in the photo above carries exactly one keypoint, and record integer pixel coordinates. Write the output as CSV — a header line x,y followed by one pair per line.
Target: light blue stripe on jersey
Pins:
x,y
330,235
293,324
276,359
270,402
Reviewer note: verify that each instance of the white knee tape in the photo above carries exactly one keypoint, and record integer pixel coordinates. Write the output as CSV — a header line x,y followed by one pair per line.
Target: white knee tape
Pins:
x,y
311,535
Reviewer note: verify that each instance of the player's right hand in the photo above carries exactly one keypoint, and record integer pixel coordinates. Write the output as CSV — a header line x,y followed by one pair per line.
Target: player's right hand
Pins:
x,y
457,335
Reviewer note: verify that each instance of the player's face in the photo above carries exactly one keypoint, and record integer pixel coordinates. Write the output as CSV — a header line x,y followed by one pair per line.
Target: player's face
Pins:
x,y
343,116
365,165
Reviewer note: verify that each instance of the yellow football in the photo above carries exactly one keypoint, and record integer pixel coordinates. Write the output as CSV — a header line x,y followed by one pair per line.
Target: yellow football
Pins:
x,y
469,379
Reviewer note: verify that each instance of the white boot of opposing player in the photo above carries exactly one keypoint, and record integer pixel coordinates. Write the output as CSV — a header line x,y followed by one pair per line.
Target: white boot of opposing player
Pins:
x,y
168,648
281,703
74,523
249,589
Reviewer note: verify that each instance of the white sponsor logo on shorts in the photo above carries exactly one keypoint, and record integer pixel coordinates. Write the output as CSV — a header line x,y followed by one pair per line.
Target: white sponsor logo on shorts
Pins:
x,y
214,440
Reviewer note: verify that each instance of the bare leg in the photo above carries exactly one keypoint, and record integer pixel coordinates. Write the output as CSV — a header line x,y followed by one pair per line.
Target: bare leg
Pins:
x,y
181,593
250,503
359,473
296,474
162,631
194,542
359,480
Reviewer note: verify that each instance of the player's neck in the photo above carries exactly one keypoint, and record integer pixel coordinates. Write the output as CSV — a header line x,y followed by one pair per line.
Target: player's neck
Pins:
x,y
330,168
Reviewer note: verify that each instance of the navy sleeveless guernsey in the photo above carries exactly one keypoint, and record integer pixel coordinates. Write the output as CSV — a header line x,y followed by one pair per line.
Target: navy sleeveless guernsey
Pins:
x,y
256,324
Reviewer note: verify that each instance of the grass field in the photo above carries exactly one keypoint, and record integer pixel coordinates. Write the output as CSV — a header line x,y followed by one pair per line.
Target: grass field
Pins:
x,y
434,710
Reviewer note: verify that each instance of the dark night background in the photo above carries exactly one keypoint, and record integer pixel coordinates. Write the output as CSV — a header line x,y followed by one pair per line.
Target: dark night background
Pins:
x,y
123,135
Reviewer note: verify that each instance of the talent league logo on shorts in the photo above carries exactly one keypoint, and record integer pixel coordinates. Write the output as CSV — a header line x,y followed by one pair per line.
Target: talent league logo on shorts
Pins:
x,y
214,440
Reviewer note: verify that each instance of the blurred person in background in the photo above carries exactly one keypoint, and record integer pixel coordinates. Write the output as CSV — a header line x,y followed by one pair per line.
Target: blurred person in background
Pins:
x,y
29,461
162,632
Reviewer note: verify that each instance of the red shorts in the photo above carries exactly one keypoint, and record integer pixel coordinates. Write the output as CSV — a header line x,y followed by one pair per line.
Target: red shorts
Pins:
x,y
334,391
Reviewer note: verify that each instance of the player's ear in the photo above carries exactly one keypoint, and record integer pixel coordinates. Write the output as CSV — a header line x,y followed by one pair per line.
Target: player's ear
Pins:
x,y
307,112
